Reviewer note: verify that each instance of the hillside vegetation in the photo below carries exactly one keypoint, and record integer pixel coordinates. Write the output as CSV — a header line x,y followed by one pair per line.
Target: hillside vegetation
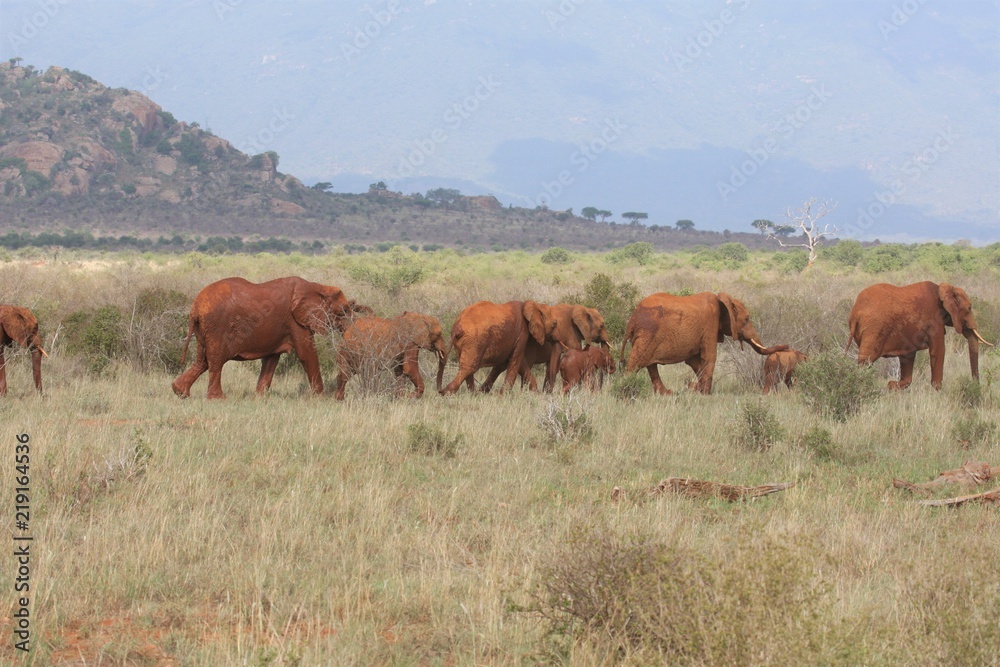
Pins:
x,y
482,529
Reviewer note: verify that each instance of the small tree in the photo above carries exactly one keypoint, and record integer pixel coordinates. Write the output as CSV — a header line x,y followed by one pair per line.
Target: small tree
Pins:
x,y
444,195
590,213
806,218
378,187
604,215
634,217
763,226
684,225
322,186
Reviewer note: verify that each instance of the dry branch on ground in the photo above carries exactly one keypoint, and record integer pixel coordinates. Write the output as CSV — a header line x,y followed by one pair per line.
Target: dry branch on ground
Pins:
x,y
696,488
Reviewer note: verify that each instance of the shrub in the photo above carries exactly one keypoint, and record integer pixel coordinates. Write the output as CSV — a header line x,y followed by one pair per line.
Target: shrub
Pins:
x,y
154,334
615,301
755,427
734,253
884,258
640,252
431,440
97,336
847,252
556,256
399,270
630,387
969,392
835,386
565,420
818,441
669,603
971,430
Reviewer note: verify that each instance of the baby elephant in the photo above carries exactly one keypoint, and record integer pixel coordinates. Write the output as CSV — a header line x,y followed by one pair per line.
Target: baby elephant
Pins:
x,y
778,367
585,366
394,344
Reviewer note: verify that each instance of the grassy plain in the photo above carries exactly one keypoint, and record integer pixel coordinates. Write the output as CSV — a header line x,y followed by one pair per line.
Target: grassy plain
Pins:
x,y
292,530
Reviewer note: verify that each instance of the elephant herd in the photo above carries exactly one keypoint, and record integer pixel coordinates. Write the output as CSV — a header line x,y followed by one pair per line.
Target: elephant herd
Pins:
x,y
234,319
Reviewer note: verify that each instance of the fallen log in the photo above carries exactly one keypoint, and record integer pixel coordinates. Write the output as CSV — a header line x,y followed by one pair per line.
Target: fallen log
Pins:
x,y
970,475
988,498
696,488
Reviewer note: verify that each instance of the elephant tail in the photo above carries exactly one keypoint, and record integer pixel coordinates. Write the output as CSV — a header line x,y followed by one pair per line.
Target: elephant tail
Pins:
x,y
626,339
853,324
192,320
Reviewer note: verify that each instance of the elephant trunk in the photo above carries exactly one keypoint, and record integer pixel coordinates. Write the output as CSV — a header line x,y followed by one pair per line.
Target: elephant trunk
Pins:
x,y
442,353
36,366
759,348
973,339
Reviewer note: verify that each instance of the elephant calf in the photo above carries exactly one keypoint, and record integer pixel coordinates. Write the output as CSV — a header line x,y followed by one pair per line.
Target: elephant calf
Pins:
x,y
585,366
18,325
779,366
394,343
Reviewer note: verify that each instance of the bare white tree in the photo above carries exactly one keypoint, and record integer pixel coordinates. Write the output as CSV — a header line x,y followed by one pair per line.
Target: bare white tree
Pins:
x,y
805,219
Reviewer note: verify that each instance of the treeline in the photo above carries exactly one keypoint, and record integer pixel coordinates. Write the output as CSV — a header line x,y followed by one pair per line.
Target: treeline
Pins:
x,y
176,243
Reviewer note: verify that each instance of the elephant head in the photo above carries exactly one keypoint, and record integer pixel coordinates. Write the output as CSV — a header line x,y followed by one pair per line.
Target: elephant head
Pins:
x,y
957,313
18,325
316,306
541,323
574,326
734,321
425,332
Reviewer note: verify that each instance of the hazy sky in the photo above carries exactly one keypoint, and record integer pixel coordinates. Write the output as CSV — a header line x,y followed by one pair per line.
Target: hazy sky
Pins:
x,y
721,112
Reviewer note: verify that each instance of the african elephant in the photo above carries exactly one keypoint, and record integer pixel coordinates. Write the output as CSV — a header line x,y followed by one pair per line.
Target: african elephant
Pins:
x,y
396,342
236,320
491,334
668,329
588,366
891,321
779,366
571,319
18,325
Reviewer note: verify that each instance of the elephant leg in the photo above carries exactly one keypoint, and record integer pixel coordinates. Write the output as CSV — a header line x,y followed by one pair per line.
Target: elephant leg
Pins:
x,y
267,366
305,349
411,369
654,377
703,370
36,368
467,367
3,373
905,372
182,385
487,384
937,363
215,378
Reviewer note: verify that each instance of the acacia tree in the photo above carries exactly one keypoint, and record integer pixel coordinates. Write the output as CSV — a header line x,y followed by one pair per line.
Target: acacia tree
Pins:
x,y
604,215
635,216
590,213
684,225
805,218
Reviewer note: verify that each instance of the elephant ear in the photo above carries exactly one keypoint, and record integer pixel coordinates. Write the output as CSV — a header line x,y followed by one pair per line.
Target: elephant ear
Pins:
x,y
727,318
536,315
16,326
308,301
583,320
949,300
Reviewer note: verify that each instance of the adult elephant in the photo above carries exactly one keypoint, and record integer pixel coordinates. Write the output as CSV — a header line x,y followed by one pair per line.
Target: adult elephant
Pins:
x,y
892,321
18,325
491,334
237,320
394,343
571,319
668,329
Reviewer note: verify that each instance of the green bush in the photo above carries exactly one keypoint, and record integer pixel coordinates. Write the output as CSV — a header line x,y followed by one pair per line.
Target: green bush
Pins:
x,y
881,259
640,252
755,427
670,603
847,252
96,336
818,441
835,385
631,387
431,440
969,392
972,431
556,256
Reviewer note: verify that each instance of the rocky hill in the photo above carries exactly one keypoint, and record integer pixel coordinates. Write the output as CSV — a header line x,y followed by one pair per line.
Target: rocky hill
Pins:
x,y
75,154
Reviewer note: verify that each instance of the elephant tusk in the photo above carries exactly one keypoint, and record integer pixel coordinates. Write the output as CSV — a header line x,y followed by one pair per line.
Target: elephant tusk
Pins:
x,y
46,355
981,339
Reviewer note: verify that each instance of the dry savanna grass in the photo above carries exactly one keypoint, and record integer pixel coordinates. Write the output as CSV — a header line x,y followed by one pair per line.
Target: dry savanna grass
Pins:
x,y
293,530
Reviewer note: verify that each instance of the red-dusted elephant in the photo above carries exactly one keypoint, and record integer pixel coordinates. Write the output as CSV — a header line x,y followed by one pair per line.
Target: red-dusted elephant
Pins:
x,y
779,367
18,325
491,334
891,321
668,329
237,320
586,322
587,366
396,343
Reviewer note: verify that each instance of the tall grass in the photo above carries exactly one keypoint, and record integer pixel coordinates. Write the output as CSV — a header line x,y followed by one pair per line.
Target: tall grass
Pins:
x,y
297,530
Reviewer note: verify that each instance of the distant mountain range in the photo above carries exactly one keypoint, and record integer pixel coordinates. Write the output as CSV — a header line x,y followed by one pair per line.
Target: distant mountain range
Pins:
x,y
717,112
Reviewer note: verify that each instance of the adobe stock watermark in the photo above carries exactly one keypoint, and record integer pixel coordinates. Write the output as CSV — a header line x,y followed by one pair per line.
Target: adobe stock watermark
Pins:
x,y
586,154
562,12
700,43
258,143
454,117
789,124
911,170
900,16
223,7
364,35
35,22
151,80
